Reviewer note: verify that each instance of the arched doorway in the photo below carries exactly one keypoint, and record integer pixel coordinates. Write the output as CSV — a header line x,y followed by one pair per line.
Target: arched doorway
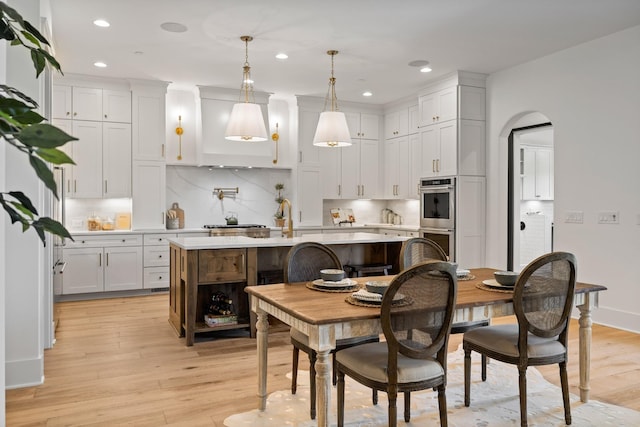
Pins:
x,y
530,189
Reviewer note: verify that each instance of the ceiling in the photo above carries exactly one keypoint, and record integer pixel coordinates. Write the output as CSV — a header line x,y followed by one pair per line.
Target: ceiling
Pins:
x,y
376,40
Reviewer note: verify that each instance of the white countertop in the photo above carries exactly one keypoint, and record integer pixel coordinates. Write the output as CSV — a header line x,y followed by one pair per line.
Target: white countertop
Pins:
x,y
249,242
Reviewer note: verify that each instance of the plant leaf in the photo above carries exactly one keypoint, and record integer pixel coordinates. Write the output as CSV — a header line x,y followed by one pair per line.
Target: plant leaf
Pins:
x,y
44,135
35,32
44,173
54,63
16,93
12,13
27,35
55,156
13,107
54,227
29,118
40,230
6,32
23,209
24,200
38,61
15,216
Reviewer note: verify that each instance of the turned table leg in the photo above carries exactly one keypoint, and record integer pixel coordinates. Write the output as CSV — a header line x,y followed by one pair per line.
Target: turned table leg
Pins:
x,y
323,386
262,329
584,339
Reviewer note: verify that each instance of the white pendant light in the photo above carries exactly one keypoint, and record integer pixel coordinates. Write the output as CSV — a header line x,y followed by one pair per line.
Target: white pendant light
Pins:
x,y
332,130
246,122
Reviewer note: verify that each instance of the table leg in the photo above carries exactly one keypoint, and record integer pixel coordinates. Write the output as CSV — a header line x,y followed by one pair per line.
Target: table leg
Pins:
x,y
584,340
323,386
262,329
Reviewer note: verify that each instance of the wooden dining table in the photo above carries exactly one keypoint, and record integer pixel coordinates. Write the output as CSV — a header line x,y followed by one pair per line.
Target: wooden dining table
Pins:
x,y
326,317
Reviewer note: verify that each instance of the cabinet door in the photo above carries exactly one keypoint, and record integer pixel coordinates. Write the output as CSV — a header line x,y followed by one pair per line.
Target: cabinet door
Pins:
x,y
413,120
369,126
148,195
350,167
116,159
61,107
391,124
156,256
87,103
156,277
66,126
369,169
116,106
430,151
353,122
331,170
447,162
391,162
309,196
438,107
83,272
123,268
404,170
428,109
87,154
148,125
309,154
415,164
544,174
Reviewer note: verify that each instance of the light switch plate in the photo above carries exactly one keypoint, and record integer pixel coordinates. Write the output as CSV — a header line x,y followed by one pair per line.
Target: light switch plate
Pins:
x,y
574,217
608,217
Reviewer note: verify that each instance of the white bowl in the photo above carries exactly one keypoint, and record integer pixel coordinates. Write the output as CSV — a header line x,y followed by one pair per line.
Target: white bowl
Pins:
x,y
332,275
506,278
377,286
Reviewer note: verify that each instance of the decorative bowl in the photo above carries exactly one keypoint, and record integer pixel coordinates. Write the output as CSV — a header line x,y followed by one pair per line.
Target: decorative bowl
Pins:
x,y
377,286
506,278
332,275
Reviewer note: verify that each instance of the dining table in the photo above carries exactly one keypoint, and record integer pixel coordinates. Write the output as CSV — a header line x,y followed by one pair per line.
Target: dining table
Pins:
x,y
327,316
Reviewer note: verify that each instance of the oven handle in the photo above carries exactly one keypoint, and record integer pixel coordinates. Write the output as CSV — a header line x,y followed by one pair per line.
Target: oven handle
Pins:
x,y
436,188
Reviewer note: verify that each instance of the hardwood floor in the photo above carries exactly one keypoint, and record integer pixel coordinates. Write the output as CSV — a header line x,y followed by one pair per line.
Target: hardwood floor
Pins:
x,y
118,361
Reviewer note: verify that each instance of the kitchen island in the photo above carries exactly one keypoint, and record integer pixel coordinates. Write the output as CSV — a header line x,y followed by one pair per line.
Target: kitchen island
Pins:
x,y
202,268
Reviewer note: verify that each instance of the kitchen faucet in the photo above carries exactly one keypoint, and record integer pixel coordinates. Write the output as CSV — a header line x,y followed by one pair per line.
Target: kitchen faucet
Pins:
x,y
289,233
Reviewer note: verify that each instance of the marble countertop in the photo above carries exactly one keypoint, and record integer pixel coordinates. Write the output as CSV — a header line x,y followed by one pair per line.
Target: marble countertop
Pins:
x,y
248,242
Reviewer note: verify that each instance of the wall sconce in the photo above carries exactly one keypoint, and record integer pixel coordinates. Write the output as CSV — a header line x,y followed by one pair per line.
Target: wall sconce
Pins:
x,y
275,137
179,132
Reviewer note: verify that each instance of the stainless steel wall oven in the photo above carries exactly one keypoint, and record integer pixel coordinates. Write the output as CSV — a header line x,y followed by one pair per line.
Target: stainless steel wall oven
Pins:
x,y
438,212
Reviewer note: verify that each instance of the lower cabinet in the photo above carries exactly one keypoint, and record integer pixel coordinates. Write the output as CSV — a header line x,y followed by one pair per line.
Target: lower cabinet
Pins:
x,y
102,269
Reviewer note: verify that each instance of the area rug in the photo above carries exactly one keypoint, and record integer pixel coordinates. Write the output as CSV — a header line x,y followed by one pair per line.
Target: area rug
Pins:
x,y
493,403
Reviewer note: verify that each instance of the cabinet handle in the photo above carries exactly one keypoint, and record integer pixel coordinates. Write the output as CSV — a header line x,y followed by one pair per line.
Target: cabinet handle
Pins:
x,y
105,187
105,116
75,186
99,260
162,151
75,114
68,186
107,259
299,156
299,216
363,190
162,215
433,165
438,165
339,189
68,113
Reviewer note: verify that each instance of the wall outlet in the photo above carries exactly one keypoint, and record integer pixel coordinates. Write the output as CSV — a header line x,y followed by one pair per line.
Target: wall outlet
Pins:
x,y
574,217
608,217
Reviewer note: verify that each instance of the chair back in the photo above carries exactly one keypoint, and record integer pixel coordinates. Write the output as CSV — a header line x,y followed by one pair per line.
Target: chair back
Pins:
x,y
543,296
417,311
305,260
420,249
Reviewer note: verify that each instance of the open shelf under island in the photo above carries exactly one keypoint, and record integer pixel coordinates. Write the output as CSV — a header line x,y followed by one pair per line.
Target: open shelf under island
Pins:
x,y
201,266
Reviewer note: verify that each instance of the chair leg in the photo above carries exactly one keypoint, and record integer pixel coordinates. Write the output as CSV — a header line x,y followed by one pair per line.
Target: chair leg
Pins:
x,y
312,384
407,406
374,396
392,396
523,395
340,399
333,369
565,392
442,405
467,376
484,367
294,371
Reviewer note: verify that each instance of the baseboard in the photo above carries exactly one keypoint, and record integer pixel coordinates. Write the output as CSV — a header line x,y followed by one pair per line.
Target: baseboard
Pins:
x,y
614,318
24,373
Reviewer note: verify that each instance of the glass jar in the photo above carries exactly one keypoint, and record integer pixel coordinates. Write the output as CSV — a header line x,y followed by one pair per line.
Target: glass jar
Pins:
x,y
94,223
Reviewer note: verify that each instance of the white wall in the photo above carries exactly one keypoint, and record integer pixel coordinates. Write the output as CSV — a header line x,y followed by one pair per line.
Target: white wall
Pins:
x,y
4,223
591,93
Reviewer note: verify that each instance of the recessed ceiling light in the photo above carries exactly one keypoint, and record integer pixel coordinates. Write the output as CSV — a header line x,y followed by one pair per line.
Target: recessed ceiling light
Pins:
x,y
101,23
282,56
425,69
367,93
100,64
173,27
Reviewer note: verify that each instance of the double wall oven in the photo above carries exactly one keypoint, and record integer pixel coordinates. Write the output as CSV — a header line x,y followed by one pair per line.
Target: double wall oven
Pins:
x,y
438,212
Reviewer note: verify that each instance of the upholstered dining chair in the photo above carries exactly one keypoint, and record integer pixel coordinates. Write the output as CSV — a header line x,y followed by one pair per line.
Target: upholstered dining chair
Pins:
x,y
303,264
542,301
420,249
416,314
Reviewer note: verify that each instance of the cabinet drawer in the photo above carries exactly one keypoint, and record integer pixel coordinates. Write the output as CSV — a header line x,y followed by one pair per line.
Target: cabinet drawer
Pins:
x,y
156,256
105,240
221,265
156,277
158,239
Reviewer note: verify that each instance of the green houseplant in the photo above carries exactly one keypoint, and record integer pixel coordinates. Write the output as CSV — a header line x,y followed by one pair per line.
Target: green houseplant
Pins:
x,y
23,128
279,215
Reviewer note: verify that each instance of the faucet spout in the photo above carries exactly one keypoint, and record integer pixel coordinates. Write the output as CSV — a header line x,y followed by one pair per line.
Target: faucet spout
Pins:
x,y
289,233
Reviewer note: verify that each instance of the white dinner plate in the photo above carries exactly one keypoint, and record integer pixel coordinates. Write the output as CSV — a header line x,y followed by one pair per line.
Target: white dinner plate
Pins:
x,y
344,283
366,296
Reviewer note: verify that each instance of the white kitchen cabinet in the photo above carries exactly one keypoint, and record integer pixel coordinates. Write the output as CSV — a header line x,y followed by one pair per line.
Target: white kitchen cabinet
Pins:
x,y
396,123
360,170
363,125
331,171
102,263
439,149
415,165
148,204
537,180
86,103
148,120
61,102
397,168
116,106
90,103
309,154
102,156
309,196
156,260
438,107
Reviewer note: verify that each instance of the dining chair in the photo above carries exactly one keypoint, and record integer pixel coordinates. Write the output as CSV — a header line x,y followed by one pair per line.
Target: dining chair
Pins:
x,y
420,249
303,264
416,314
542,302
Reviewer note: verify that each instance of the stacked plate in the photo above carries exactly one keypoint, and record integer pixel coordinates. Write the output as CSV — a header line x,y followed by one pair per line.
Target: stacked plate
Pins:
x,y
344,284
374,298
492,283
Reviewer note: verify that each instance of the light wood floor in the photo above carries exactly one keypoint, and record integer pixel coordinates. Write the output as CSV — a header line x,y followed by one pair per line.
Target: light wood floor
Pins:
x,y
118,361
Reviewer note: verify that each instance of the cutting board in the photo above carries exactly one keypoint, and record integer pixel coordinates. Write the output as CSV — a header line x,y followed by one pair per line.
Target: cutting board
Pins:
x,y
179,214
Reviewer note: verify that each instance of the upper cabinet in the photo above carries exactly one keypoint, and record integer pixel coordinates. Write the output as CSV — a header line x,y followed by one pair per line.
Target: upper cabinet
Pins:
x,y
363,125
401,122
90,103
439,106
537,173
148,113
